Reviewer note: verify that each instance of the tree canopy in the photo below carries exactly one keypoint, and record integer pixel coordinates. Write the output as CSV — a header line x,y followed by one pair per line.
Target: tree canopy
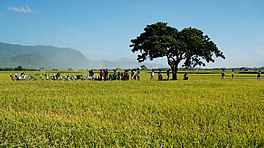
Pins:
x,y
189,45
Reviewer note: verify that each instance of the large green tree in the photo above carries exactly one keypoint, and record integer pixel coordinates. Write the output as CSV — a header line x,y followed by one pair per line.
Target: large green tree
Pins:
x,y
189,45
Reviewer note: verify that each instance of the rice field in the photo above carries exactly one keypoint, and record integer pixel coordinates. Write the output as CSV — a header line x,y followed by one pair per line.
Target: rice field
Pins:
x,y
201,112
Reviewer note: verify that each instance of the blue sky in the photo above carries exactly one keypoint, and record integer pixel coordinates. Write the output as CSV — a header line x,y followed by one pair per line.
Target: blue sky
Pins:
x,y
103,29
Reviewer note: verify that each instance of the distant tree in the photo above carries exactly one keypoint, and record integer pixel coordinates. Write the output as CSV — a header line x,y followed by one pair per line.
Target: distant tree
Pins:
x,y
188,45
19,68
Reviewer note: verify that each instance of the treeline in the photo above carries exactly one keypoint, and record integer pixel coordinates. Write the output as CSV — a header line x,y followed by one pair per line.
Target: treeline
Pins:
x,y
18,68
143,67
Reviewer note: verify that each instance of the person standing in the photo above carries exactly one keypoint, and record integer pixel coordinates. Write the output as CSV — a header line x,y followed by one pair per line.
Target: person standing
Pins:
x,y
233,73
114,75
118,75
160,76
168,74
152,75
185,76
125,75
47,76
133,74
41,77
259,75
223,74
138,74
101,74
106,74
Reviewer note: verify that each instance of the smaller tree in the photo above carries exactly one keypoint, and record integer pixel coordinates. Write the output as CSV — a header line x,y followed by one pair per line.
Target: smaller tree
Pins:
x,y
19,68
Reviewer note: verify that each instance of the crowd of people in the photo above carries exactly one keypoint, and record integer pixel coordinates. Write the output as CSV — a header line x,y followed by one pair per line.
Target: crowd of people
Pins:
x,y
117,75
21,76
104,75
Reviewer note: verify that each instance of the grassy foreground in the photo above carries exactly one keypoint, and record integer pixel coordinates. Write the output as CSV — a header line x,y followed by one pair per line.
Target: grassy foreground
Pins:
x,y
201,112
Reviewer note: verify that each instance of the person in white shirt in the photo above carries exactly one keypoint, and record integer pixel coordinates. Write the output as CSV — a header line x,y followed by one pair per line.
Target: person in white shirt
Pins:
x,y
233,73
152,75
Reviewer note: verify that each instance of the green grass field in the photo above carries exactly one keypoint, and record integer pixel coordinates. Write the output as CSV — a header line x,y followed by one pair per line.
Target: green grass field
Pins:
x,y
202,112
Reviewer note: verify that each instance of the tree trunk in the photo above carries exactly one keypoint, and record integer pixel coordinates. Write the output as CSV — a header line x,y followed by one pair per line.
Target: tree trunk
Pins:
x,y
174,66
174,69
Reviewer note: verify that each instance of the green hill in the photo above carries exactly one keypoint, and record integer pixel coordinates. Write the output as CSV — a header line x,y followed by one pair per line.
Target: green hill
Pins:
x,y
40,56
49,57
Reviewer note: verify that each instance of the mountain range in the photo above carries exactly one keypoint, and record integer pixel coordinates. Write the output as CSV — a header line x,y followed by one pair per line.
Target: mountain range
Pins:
x,y
50,57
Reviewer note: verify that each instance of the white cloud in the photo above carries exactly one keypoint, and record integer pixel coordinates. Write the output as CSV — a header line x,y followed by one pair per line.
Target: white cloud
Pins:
x,y
1,13
20,9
